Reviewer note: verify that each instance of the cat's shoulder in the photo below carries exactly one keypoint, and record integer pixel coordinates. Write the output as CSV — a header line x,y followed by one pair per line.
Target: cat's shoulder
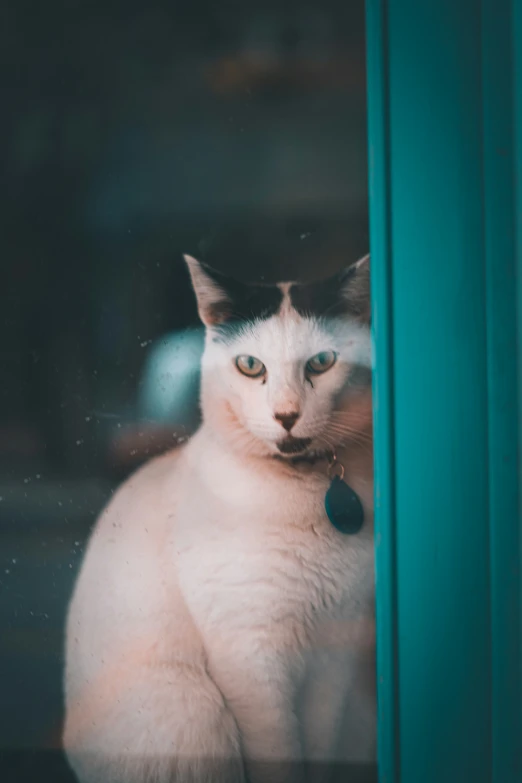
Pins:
x,y
144,490
155,470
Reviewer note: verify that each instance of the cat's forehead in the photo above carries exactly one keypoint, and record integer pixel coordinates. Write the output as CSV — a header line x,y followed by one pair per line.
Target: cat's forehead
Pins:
x,y
285,333
289,336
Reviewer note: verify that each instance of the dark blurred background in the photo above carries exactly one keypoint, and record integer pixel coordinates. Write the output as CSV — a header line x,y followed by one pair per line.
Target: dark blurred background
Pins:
x,y
131,133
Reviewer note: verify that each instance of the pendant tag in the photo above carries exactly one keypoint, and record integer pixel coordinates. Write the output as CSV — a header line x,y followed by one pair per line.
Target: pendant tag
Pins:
x,y
341,503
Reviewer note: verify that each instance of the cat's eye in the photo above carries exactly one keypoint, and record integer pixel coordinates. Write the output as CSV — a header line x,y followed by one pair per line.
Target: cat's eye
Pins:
x,y
250,366
321,362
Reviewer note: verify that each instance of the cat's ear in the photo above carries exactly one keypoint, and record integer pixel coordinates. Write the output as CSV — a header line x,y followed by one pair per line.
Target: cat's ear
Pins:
x,y
213,298
354,282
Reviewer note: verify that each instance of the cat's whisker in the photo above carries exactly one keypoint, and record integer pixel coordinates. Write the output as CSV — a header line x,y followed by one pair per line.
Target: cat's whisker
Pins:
x,y
351,420
349,431
353,436
359,437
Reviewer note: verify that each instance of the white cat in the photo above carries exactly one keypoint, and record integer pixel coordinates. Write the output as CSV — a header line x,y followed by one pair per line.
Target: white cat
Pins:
x,y
222,628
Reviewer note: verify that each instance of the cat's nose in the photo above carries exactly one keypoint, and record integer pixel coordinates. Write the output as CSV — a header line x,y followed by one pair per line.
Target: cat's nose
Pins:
x,y
287,420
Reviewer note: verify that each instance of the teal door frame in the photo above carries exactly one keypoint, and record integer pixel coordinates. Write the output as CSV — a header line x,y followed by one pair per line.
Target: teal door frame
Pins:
x,y
445,159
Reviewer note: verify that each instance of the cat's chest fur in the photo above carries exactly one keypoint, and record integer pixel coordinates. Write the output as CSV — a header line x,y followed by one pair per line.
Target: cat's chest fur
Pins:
x,y
256,552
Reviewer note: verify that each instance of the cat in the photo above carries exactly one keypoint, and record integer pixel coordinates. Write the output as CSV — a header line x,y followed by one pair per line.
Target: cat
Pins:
x,y
221,628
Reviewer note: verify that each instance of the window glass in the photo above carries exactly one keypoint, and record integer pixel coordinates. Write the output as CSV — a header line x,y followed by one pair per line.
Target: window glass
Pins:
x,y
135,133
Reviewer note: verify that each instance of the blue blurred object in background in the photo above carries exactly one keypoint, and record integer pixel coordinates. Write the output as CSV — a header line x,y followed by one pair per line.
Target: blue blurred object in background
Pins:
x,y
169,392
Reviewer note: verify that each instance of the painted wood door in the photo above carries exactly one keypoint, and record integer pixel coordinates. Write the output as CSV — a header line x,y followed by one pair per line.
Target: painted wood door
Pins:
x,y
445,147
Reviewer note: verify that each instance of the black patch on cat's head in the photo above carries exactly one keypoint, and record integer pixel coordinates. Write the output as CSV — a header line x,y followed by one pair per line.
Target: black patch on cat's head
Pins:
x,y
225,304
346,293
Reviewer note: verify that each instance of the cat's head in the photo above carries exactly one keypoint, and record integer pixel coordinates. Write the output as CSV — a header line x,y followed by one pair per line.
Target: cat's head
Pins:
x,y
286,369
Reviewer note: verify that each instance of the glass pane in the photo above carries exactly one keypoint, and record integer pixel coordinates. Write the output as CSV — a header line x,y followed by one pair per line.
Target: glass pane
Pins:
x,y
235,134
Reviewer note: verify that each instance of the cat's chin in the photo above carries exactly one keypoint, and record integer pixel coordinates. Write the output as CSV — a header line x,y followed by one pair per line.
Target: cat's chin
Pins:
x,y
292,447
308,457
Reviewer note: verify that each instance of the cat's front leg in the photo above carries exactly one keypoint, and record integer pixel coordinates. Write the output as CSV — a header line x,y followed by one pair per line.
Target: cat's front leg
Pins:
x,y
260,692
338,710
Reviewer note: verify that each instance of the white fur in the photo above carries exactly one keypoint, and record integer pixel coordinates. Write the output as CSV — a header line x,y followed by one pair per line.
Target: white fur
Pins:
x,y
218,615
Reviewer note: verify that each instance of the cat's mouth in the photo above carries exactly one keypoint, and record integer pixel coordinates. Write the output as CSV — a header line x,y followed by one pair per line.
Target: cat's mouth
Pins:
x,y
292,445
